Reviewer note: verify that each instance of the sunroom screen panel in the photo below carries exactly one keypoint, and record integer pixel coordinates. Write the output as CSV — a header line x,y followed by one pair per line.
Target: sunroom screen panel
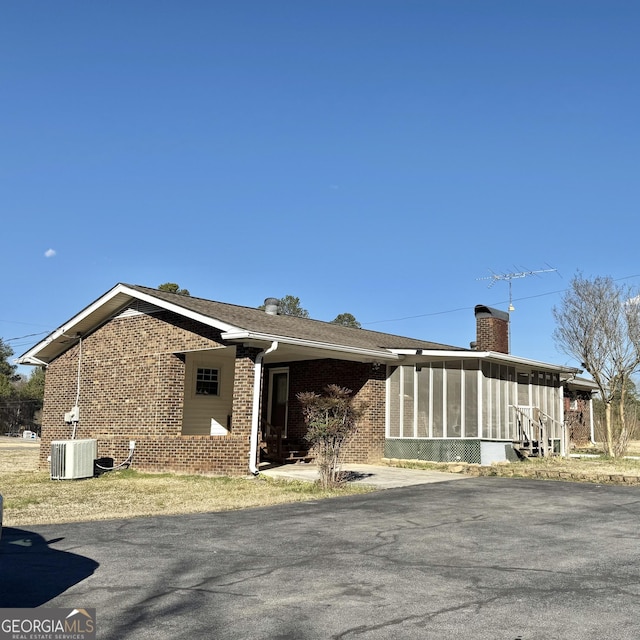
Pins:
x,y
454,400
408,396
437,399
495,401
424,401
394,403
470,404
485,392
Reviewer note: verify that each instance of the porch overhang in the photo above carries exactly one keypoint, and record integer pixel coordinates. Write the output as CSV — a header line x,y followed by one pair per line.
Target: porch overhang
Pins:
x,y
423,355
297,348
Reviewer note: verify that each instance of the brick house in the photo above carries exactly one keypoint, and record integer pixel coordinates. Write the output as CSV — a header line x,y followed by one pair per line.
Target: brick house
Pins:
x,y
210,387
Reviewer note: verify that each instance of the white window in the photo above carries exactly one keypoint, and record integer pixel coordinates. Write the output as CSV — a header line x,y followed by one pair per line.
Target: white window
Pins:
x,y
207,382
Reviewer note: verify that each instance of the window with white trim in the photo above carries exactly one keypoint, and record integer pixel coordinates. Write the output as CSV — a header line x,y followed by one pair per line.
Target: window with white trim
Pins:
x,y
207,381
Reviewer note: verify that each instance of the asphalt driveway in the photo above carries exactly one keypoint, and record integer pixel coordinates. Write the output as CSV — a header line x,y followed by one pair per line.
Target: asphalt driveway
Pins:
x,y
483,558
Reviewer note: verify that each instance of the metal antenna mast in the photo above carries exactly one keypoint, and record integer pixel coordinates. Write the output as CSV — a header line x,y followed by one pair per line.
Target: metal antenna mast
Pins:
x,y
494,277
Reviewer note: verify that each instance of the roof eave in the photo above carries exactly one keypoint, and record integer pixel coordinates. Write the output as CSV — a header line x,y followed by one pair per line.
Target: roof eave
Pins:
x,y
487,355
100,311
31,361
376,355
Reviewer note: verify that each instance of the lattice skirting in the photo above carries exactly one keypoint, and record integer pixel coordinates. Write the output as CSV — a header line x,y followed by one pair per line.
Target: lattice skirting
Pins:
x,y
449,450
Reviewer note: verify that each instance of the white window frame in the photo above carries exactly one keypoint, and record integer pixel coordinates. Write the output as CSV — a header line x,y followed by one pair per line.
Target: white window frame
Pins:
x,y
197,367
272,373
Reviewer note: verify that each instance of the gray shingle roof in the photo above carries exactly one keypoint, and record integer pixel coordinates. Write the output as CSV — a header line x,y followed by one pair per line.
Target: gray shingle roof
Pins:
x,y
256,320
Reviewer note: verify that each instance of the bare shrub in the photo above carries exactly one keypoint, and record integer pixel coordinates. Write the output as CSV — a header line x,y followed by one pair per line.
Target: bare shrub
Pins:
x,y
331,421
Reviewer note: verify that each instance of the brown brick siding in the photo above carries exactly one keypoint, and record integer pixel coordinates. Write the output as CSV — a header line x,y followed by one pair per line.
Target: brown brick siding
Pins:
x,y
492,334
222,455
578,419
368,386
243,390
131,388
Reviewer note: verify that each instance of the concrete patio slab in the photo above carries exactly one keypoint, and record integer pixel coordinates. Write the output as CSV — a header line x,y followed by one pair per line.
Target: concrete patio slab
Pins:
x,y
379,476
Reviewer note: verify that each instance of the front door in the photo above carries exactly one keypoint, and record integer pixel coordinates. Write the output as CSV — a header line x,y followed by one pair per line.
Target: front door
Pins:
x,y
278,402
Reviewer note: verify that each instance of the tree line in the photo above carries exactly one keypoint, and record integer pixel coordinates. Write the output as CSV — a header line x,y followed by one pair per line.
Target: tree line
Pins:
x,y
20,396
597,324
287,306
290,306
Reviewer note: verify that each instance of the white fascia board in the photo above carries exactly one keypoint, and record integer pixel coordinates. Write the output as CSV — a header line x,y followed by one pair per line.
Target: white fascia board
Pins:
x,y
430,352
118,290
487,355
31,360
493,355
583,384
28,357
299,342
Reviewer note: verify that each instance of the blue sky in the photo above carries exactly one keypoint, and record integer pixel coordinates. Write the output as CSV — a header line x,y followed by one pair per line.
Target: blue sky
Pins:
x,y
376,157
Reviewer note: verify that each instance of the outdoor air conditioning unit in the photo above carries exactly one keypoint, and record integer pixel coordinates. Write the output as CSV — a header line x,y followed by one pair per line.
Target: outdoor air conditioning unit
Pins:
x,y
73,459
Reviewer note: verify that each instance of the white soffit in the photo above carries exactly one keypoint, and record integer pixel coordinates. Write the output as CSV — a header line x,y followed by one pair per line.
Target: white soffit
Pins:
x,y
370,354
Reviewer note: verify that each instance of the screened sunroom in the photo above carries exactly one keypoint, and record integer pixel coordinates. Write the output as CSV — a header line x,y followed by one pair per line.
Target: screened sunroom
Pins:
x,y
477,408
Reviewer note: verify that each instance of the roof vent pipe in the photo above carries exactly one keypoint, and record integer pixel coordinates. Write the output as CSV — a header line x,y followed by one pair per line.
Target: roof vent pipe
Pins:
x,y
271,306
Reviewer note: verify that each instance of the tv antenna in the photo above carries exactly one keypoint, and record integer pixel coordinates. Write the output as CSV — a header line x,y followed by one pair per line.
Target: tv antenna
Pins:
x,y
508,277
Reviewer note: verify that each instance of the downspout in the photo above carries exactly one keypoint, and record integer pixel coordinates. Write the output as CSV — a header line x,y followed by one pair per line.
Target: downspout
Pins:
x,y
255,416
75,410
591,426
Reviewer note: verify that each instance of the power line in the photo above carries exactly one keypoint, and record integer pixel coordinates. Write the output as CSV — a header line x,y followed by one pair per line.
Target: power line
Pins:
x,y
421,315
29,335
440,313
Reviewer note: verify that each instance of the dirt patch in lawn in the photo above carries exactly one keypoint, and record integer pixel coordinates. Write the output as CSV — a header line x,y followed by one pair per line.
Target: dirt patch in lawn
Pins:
x,y
31,497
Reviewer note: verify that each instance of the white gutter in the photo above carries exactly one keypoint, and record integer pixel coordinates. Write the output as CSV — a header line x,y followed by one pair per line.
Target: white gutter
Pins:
x,y
485,355
31,360
300,342
255,415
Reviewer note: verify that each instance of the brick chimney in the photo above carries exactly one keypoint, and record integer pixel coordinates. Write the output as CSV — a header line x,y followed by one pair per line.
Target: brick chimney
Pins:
x,y
492,329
